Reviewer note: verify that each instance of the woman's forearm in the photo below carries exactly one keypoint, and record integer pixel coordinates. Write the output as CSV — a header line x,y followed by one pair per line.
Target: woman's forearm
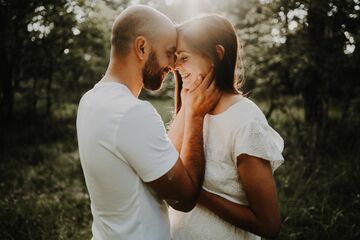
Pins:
x,y
236,214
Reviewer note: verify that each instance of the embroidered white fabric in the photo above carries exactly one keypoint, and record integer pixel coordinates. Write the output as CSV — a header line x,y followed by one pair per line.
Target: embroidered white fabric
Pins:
x,y
242,128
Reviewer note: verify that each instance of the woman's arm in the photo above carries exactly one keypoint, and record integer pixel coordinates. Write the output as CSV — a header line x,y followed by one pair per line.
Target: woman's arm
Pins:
x,y
262,216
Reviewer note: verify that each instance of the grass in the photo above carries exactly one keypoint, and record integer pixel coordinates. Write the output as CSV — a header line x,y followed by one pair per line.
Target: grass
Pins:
x,y
319,193
42,185
43,194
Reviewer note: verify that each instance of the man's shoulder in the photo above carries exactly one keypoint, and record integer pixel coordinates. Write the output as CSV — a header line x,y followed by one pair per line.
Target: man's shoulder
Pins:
x,y
85,96
141,110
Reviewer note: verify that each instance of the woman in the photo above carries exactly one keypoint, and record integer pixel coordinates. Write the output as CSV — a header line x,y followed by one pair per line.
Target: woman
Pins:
x,y
238,199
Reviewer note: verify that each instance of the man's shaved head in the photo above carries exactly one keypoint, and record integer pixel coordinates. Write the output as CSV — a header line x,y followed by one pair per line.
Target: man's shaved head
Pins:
x,y
136,21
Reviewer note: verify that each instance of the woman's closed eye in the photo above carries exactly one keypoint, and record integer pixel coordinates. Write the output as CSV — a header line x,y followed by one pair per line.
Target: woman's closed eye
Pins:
x,y
182,56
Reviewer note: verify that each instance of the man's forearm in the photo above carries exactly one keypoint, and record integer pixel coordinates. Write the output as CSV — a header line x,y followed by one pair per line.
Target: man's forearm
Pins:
x,y
176,131
192,150
193,160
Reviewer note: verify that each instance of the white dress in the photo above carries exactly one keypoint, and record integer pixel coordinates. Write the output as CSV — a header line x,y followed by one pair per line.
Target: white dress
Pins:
x,y
242,128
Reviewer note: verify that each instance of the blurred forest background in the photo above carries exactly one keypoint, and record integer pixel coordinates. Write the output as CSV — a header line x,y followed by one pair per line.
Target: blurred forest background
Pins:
x,y
302,63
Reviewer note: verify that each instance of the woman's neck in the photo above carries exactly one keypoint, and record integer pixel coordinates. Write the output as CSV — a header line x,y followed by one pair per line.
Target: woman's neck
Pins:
x,y
226,101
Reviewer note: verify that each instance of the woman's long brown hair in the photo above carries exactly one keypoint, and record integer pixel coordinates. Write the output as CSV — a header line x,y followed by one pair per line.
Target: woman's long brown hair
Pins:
x,y
203,34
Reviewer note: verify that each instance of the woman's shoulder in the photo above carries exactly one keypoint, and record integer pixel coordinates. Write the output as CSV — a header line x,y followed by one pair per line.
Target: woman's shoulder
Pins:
x,y
245,110
238,114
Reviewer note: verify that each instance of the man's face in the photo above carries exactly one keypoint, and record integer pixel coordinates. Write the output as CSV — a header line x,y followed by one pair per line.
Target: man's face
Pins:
x,y
160,61
153,73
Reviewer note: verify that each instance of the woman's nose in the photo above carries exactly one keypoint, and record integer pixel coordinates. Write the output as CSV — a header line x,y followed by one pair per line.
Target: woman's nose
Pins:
x,y
177,64
172,62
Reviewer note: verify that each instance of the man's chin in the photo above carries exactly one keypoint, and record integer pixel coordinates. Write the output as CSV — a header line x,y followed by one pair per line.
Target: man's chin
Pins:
x,y
152,84
153,87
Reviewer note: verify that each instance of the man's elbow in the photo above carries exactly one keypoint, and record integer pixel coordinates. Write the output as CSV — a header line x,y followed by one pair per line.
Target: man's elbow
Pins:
x,y
187,201
183,207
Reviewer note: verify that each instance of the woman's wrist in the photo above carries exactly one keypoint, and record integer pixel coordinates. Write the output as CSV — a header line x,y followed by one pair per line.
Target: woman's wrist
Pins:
x,y
203,197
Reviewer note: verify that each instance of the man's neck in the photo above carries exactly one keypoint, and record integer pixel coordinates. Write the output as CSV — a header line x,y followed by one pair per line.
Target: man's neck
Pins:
x,y
126,73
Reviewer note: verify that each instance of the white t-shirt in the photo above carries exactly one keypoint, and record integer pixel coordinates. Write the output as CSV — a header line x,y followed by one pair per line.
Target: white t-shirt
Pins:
x,y
122,144
242,128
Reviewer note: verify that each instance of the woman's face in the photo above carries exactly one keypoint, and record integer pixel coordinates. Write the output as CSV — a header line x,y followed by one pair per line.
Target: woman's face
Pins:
x,y
189,64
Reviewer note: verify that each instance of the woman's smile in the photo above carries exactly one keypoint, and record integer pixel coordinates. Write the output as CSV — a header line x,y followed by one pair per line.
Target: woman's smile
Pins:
x,y
185,75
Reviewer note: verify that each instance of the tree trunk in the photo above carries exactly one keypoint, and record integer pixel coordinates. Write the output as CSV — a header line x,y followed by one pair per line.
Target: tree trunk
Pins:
x,y
7,89
7,101
34,95
49,87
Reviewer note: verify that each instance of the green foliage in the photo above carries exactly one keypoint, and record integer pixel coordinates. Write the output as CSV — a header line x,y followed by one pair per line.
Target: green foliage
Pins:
x,y
52,50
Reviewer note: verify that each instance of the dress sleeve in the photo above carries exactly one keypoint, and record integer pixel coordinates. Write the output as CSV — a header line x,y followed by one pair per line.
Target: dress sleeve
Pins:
x,y
142,140
258,139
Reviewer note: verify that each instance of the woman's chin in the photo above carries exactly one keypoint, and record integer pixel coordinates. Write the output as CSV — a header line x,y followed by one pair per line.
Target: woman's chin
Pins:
x,y
186,87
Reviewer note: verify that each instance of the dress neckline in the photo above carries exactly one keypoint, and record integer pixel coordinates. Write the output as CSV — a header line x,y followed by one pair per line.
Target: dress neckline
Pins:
x,y
219,115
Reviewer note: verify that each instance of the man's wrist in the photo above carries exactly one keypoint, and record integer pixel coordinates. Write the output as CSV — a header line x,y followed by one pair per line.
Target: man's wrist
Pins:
x,y
190,113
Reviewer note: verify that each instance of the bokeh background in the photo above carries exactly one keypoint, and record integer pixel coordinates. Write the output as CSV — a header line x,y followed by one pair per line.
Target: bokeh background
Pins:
x,y
301,61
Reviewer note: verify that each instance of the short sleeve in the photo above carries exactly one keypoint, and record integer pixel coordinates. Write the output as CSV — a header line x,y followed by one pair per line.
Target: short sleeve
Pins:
x,y
258,139
142,140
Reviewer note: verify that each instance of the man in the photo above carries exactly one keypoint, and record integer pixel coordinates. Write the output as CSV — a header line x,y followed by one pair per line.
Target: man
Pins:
x,y
129,163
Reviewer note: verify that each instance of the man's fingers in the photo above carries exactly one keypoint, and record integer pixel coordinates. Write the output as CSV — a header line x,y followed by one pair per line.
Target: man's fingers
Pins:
x,y
209,78
197,82
203,83
212,86
213,91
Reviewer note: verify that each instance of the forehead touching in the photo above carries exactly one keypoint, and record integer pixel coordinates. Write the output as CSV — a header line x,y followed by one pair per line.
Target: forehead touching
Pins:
x,y
181,45
166,39
189,32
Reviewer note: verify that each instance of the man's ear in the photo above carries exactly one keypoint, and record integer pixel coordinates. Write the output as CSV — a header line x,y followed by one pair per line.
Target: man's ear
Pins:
x,y
220,51
141,47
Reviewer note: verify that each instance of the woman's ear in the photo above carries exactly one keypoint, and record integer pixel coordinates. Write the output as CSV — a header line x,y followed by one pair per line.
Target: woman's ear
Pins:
x,y
141,47
220,51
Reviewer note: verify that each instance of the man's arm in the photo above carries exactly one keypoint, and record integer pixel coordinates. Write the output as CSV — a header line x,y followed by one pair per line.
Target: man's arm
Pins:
x,y
181,185
176,130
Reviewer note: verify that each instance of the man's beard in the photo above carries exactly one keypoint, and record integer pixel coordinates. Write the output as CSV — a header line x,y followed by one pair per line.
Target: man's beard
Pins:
x,y
153,74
